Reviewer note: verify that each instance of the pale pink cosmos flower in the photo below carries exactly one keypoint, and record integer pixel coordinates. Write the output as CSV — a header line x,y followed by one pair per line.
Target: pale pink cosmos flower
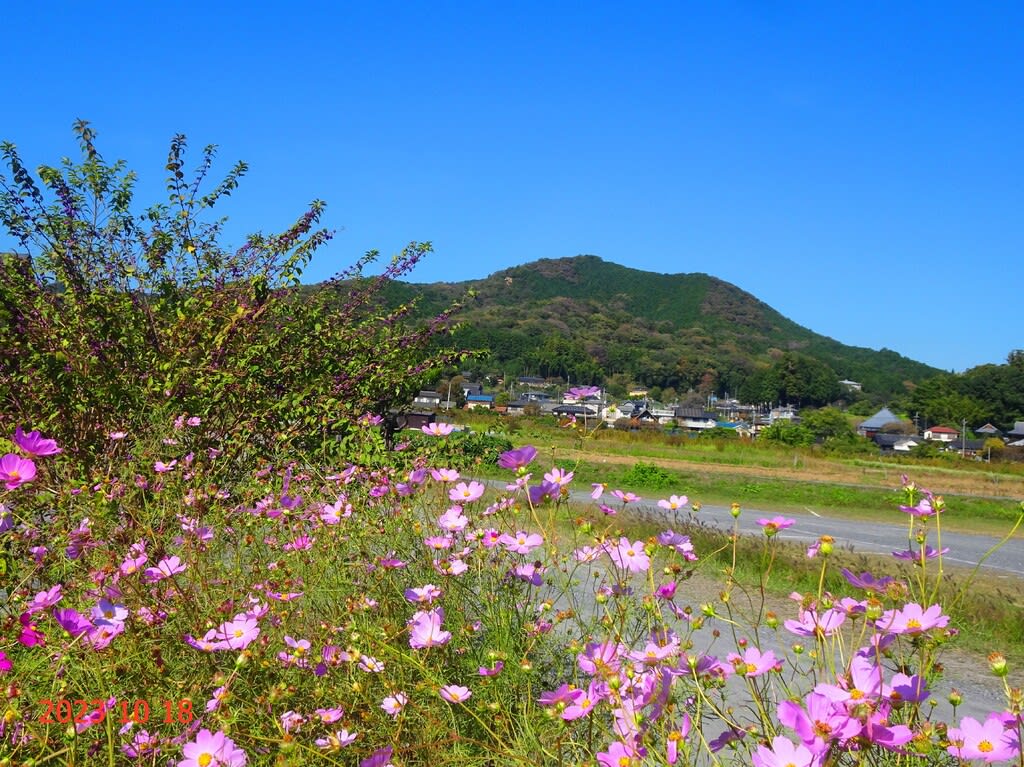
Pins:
x,y
291,721
811,624
630,556
444,475
522,542
425,629
463,493
753,662
454,693
453,520
626,497
45,599
165,568
438,542
674,502
393,704
160,467
990,741
210,749
823,721
437,429
334,741
370,664
194,421
423,594
559,477
597,490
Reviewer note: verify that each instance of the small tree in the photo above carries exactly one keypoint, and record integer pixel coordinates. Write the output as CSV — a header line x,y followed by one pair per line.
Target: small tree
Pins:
x,y
114,319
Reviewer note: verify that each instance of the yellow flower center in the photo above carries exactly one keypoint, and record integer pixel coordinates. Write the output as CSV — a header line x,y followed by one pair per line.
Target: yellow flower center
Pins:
x,y
238,633
985,746
204,760
856,694
913,623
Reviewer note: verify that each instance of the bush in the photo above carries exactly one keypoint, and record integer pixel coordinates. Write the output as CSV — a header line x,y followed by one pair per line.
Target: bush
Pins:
x,y
112,319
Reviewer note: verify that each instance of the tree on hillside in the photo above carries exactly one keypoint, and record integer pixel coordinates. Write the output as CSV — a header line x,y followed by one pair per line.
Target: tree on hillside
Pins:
x,y
793,378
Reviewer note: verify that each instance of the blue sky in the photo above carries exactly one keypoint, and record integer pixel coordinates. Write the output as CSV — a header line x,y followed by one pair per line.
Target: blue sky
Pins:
x,y
858,166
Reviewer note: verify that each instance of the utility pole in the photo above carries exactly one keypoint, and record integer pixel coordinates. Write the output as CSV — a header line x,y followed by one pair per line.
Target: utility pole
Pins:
x,y
963,438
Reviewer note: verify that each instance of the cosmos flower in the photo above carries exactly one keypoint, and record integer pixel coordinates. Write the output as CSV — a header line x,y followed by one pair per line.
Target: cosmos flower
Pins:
x,y
463,493
990,741
517,459
425,629
775,524
630,556
522,542
15,471
34,444
912,619
454,693
784,754
674,502
212,749
393,704
437,429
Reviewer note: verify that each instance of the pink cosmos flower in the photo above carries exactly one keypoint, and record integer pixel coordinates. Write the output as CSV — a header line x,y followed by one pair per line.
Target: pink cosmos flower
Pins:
x,y
463,493
165,568
291,721
438,542
823,722
597,490
753,662
602,658
194,421
444,475
393,704
784,754
370,664
863,684
425,629
522,542
453,520
810,624
329,715
559,477
626,497
238,633
773,525
45,599
674,502
584,704
630,556
210,749
453,693
423,594
34,444
491,670
437,429
15,471
336,740
5,663
583,392
915,556
990,741
618,754
161,468
912,619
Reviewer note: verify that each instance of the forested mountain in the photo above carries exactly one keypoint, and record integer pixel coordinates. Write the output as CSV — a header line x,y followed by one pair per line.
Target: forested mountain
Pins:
x,y
590,321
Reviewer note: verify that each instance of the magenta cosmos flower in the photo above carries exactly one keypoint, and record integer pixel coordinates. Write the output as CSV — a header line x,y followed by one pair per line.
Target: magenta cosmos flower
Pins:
x,y
212,749
773,525
437,429
34,444
15,471
519,458
630,556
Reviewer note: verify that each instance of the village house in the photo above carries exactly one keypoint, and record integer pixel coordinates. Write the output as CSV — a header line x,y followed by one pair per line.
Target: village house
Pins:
x,y
941,433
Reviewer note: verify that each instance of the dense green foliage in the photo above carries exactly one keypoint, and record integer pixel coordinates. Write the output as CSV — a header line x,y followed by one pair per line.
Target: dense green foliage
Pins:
x,y
111,319
985,393
588,320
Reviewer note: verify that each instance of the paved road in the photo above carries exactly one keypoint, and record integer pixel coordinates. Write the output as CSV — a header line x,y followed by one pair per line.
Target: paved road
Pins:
x,y
965,550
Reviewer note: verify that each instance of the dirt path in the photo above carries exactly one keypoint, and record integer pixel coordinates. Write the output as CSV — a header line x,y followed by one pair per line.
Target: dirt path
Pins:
x,y
811,469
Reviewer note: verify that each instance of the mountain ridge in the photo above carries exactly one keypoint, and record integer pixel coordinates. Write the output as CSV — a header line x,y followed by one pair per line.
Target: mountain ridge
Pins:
x,y
686,331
